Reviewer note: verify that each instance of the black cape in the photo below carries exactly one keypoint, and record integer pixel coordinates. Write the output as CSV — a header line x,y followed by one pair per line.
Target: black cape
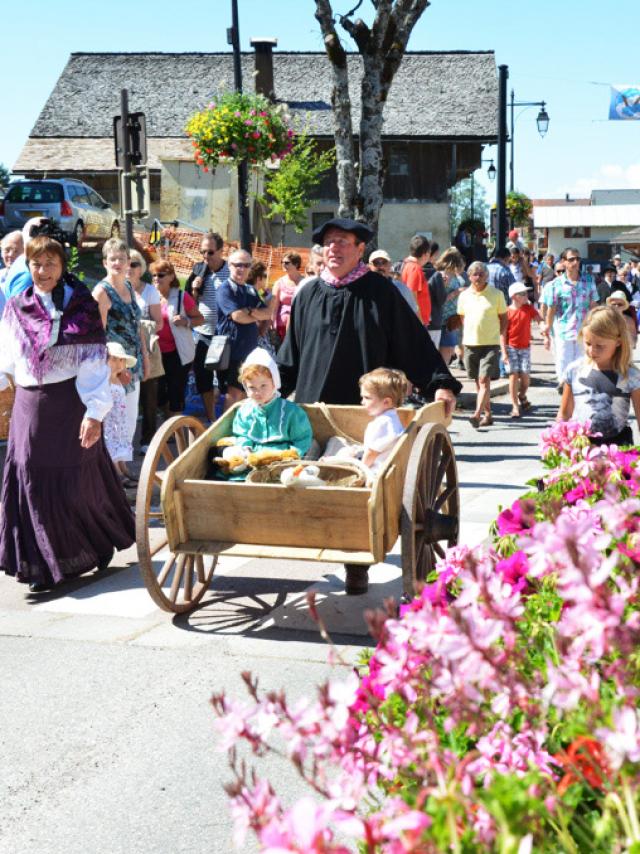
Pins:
x,y
337,334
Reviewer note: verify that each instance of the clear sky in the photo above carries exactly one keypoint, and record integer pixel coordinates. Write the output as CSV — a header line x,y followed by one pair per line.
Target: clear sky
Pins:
x,y
556,52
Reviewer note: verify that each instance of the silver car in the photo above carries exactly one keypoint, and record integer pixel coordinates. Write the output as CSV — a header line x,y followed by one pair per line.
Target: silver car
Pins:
x,y
79,211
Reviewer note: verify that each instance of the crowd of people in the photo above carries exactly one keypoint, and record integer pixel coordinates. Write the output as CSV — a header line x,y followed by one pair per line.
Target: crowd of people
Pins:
x,y
87,363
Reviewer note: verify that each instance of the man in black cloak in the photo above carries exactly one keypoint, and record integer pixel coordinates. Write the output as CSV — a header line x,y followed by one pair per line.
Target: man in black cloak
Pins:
x,y
349,321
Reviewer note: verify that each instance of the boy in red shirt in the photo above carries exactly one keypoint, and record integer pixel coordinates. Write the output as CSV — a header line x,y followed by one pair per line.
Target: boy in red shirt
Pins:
x,y
413,276
517,358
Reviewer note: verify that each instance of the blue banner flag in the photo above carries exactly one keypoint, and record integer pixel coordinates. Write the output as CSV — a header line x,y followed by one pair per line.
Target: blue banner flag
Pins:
x,y
625,103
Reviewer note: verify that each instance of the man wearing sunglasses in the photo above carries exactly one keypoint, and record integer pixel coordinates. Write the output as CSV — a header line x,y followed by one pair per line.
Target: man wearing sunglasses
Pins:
x,y
240,309
569,299
206,277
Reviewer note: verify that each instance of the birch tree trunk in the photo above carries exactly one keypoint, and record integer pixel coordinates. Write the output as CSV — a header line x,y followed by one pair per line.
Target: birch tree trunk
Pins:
x,y
382,47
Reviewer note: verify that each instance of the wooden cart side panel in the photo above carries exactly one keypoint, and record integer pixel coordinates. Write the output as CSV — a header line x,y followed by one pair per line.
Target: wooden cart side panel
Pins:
x,y
192,463
263,514
377,522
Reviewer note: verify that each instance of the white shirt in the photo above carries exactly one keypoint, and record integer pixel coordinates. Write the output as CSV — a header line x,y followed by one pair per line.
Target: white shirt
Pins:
x,y
92,377
381,435
146,299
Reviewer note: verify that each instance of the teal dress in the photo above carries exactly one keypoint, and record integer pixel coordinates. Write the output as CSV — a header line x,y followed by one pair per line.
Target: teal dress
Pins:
x,y
279,425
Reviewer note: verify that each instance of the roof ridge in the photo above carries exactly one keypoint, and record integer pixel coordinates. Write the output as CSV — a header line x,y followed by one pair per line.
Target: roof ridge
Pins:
x,y
275,53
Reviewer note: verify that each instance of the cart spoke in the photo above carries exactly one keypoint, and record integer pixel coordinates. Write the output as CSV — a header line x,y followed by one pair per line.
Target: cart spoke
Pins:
x,y
200,573
182,440
438,549
439,475
177,578
166,569
157,547
167,456
157,479
188,579
444,496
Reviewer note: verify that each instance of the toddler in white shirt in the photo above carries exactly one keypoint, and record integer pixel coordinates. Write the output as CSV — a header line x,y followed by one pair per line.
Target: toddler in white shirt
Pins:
x,y
381,391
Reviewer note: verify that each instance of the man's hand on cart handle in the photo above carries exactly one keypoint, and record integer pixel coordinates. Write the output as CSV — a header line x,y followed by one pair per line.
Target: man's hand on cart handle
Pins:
x,y
448,398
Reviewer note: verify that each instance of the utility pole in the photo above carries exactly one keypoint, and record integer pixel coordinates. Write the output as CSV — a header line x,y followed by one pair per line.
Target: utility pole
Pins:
x,y
126,165
501,190
233,36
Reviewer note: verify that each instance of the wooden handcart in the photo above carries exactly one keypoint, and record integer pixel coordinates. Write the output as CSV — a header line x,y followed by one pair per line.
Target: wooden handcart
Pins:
x,y
415,497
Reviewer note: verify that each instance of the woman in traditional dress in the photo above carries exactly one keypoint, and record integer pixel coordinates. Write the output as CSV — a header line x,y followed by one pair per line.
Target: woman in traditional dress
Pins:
x,y
64,509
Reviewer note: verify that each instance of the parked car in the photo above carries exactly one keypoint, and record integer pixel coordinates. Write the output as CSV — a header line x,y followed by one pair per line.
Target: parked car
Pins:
x,y
81,213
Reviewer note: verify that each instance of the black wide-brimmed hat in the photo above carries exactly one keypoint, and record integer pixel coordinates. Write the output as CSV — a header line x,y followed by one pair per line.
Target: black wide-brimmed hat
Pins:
x,y
360,229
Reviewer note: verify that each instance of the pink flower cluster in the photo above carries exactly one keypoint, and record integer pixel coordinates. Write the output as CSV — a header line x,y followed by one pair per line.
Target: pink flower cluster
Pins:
x,y
471,684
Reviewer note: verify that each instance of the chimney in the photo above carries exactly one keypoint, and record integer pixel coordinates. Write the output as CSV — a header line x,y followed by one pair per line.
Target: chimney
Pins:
x,y
264,66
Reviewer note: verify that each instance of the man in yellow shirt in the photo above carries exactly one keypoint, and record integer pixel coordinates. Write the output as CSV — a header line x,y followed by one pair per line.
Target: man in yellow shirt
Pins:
x,y
484,314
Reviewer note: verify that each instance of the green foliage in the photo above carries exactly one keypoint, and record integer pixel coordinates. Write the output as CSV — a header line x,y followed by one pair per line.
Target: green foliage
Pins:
x,y
5,176
289,189
73,262
519,208
460,204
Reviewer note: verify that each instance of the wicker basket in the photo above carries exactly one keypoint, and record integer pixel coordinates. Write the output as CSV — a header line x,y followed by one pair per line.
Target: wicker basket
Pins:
x,y
334,474
6,407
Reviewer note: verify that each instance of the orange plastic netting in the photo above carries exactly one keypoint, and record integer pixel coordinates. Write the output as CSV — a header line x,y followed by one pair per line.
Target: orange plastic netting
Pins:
x,y
182,248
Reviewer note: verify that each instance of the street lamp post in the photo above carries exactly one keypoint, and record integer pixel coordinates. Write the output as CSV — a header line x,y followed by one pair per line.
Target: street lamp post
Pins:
x,y
542,121
233,37
501,192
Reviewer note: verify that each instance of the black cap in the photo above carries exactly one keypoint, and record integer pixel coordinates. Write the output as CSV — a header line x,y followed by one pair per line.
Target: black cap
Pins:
x,y
360,229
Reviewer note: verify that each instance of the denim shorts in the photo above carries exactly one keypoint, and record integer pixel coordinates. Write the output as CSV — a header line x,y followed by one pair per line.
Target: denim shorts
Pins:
x,y
449,337
519,360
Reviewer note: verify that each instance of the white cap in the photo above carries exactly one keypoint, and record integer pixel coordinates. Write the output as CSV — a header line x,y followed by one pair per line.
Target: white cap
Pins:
x,y
618,296
115,349
379,253
517,288
263,357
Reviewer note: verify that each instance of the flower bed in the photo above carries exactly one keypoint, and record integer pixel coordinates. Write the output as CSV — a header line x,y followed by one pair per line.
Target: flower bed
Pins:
x,y
499,712
237,126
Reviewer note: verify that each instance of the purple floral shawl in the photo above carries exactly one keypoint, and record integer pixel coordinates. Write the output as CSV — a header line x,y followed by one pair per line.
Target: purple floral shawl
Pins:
x,y
81,335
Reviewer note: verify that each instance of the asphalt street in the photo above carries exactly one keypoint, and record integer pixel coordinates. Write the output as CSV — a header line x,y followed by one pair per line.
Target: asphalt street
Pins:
x,y
107,740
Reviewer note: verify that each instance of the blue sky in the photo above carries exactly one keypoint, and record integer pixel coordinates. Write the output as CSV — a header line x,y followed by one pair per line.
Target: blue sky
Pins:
x,y
556,52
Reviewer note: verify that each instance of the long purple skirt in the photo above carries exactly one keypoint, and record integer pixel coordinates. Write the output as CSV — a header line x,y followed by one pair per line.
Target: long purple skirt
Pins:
x,y
64,508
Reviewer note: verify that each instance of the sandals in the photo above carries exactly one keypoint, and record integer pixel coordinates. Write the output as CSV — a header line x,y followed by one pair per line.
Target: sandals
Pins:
x,y
474,421
515,412
129,482
486,419
525,404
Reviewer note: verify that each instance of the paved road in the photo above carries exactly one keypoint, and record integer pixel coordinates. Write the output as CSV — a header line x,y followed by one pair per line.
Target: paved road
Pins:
x,y
107,742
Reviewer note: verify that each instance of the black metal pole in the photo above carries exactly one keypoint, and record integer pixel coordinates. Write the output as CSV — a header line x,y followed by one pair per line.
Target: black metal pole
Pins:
x,y
473,186
501,191
243,172
126,168
512,130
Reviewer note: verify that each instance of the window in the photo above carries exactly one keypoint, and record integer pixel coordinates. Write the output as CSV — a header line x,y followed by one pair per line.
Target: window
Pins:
x,y
578,231
28,193
399,160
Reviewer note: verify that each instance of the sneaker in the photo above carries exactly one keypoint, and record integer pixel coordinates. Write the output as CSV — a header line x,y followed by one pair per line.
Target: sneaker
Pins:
x,y
143,450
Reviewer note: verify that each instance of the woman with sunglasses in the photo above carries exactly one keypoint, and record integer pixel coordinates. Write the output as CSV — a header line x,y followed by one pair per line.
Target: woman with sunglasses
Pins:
x,y
180,314
151,321
284,290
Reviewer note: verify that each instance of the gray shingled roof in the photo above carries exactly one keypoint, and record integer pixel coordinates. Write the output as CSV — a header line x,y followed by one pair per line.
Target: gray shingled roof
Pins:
x,y
434,95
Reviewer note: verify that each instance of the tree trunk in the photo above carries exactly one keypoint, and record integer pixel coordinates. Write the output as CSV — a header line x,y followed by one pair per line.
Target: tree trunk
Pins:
x,y
382,48
341,111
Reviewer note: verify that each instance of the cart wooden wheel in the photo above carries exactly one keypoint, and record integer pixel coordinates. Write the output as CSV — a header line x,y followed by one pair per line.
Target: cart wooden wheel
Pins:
x,y
178,583
430,506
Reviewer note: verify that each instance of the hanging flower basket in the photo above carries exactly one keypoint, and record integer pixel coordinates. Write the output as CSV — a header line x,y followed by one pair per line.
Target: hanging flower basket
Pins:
x,y
235,127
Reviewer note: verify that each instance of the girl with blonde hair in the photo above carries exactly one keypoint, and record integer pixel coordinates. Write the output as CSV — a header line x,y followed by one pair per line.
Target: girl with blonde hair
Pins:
x,y
601,385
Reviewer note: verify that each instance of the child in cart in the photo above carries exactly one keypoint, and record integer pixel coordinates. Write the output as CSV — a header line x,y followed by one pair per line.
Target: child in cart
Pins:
x,y
381,392
266,428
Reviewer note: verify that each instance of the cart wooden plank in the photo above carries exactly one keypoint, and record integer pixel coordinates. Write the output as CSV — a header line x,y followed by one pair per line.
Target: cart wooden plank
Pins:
x,y
323,517
275,552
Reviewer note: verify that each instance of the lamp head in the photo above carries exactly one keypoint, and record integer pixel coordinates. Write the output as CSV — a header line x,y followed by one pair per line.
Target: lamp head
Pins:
x,y
543,121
